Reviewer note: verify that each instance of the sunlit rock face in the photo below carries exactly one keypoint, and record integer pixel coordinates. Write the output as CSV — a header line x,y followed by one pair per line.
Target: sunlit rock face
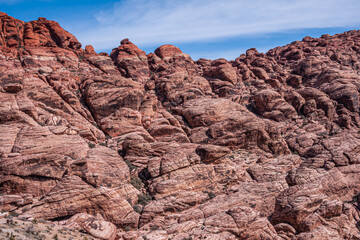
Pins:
x,y
159,146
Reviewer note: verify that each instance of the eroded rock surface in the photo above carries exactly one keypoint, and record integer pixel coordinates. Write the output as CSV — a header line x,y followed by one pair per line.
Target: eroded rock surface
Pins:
x,y
157,146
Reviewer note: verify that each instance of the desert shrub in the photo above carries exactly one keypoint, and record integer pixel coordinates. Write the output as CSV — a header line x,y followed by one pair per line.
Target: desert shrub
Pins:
x,y
95,125
136,182
137,208
143,199
13,214
130,165
91,145
211,195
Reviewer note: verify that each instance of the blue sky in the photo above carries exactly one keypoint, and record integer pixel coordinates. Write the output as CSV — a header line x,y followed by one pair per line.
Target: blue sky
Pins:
x,y
201,28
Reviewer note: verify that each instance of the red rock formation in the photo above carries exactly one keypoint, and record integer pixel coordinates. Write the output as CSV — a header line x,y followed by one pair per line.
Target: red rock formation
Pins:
x,y
16,33
160,146
131,61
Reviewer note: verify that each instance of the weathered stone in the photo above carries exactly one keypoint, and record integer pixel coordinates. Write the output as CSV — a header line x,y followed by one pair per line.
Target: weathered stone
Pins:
x,y
158,146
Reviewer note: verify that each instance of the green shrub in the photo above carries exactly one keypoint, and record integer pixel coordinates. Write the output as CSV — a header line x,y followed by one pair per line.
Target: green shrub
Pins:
x,y
294,152
136,182
211,195
41,124
13,214
130,165
95,125
143,199
137,208
91,145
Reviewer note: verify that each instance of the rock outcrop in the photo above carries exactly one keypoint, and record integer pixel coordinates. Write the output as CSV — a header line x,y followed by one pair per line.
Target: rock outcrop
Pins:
x,y
157,146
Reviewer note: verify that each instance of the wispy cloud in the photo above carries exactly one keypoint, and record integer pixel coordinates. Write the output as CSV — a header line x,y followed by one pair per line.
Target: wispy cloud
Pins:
x,y
152,22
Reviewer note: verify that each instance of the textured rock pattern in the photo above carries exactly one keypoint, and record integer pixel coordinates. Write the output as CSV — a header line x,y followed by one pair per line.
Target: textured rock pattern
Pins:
x,y
158,146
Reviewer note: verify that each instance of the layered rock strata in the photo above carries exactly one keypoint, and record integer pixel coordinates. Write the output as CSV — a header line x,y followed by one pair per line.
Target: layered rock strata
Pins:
x,y
159,146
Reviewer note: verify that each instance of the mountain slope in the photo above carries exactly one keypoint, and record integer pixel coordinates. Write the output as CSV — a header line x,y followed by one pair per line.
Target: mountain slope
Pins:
x,y
160,146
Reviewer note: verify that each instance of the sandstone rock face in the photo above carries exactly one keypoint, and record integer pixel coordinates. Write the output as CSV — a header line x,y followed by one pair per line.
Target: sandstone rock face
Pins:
x,y
96,226
131,61
41,32
158,146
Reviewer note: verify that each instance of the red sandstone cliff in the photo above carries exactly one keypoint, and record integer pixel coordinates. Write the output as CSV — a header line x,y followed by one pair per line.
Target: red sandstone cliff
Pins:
x,y
159,146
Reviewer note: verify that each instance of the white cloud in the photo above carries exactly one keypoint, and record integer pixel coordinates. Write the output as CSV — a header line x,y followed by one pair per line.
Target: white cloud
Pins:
x,y
153,22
